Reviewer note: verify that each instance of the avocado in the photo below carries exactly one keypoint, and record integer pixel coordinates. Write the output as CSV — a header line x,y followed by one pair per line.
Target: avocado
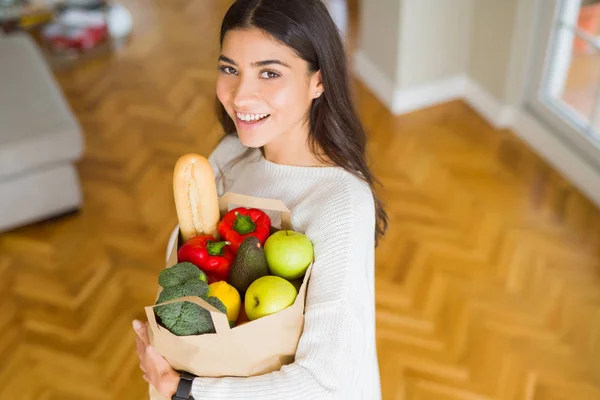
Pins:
x,y
249,265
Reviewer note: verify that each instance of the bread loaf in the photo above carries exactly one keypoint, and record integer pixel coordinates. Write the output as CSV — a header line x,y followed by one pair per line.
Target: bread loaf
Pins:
x,y
196,197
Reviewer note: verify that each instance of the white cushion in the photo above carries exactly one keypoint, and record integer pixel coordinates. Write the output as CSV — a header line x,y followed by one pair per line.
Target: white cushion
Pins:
x,y
37,126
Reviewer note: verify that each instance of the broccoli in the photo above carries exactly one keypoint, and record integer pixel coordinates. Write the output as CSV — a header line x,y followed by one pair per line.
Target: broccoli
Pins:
x,y
216,303
180,273
189,288
185,318
204,322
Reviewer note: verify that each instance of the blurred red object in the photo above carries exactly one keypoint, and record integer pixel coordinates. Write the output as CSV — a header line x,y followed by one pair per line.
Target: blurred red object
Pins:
x,y
77,29
76,38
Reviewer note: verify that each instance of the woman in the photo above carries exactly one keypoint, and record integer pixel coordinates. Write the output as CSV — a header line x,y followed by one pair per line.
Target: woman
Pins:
x,y
283,91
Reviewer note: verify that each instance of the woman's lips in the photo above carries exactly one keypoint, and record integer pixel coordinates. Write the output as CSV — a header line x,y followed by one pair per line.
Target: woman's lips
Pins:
x,y
251,123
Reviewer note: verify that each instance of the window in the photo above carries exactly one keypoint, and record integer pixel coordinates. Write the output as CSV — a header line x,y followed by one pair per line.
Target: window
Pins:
x,y
565,89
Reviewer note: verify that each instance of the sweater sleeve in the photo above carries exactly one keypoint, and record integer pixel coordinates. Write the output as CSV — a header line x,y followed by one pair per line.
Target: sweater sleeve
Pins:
x,y
331,346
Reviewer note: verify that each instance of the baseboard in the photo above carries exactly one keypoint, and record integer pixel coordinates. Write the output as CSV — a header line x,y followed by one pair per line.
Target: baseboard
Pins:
x,y
402,101
378,82
574,168
412,99
497,114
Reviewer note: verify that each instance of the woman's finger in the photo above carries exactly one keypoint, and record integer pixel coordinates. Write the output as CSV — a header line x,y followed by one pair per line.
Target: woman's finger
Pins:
x,y
139,347
142,368
146,378
142,332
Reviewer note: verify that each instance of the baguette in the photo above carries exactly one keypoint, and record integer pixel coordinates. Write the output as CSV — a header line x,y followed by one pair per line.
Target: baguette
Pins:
x,y
196,198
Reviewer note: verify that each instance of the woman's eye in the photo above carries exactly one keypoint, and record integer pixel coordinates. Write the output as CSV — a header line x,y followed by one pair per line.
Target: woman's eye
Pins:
x,y
227,70
269,75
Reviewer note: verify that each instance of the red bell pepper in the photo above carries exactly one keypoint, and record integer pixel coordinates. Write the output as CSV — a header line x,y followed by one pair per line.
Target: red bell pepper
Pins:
x,y
212,257
242,222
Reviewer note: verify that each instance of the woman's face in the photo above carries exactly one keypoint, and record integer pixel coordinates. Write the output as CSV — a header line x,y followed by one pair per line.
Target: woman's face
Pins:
x,y
265,88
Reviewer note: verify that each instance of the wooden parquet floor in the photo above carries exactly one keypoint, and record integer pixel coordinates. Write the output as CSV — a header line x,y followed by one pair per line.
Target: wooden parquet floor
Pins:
x,y
488,283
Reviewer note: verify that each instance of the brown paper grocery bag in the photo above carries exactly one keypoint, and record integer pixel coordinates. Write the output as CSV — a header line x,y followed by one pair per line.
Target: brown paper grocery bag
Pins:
x,y
254,348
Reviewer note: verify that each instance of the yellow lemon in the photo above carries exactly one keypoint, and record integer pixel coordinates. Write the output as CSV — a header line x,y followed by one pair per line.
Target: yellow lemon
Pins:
x,y
228,296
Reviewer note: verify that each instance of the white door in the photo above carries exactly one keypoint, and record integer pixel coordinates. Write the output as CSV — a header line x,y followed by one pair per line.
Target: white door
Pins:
x,y
564,90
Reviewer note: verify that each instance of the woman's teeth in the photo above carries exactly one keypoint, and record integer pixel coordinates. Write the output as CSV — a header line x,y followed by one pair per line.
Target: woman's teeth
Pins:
x,y
251,117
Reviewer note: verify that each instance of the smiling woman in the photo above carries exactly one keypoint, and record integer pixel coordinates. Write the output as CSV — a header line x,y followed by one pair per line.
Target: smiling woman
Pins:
x,y
266,89
293,134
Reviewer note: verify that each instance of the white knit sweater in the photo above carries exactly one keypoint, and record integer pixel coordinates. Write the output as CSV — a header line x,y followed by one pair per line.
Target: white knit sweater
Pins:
x,y
336,356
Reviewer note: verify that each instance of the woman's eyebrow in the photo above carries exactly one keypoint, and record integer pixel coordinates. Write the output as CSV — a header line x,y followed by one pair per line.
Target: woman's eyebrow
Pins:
x,y
226,59
255,64
269,62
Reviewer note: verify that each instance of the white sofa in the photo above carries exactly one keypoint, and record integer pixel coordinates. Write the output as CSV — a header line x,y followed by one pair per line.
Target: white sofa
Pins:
x,y
40,138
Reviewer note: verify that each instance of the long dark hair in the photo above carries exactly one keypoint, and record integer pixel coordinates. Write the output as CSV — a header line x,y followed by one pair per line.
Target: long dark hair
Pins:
x,y
306,27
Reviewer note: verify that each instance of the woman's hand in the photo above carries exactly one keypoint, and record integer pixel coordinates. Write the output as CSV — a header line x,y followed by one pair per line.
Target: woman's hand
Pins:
x,y
157,370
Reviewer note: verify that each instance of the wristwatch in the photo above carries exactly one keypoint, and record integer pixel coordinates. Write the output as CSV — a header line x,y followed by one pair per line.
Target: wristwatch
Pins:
x,y
184,389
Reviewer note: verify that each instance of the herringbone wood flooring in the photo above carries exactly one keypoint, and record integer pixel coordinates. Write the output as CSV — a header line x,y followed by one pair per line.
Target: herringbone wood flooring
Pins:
x,y
487,285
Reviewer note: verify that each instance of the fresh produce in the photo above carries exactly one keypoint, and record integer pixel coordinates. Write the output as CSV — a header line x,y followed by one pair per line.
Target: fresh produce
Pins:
x,y
202,276
288,254
297,283
237,259
214,258
242,318
196,198
185,318
228,296
180,273
242,222
249,265
267,295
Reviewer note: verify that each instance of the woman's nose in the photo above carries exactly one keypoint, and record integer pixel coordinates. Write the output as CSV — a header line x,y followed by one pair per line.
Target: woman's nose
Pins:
x,y
246,92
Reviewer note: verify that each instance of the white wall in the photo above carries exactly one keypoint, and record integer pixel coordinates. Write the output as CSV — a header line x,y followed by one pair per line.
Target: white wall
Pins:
x,y
405,46
493,25
381,35
435,36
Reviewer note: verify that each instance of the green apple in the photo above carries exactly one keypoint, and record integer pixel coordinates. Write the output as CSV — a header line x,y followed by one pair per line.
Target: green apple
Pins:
x,y
288,254
267,295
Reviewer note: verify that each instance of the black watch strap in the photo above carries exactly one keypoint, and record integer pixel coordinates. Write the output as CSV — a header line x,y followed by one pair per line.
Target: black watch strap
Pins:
x,y
184,389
